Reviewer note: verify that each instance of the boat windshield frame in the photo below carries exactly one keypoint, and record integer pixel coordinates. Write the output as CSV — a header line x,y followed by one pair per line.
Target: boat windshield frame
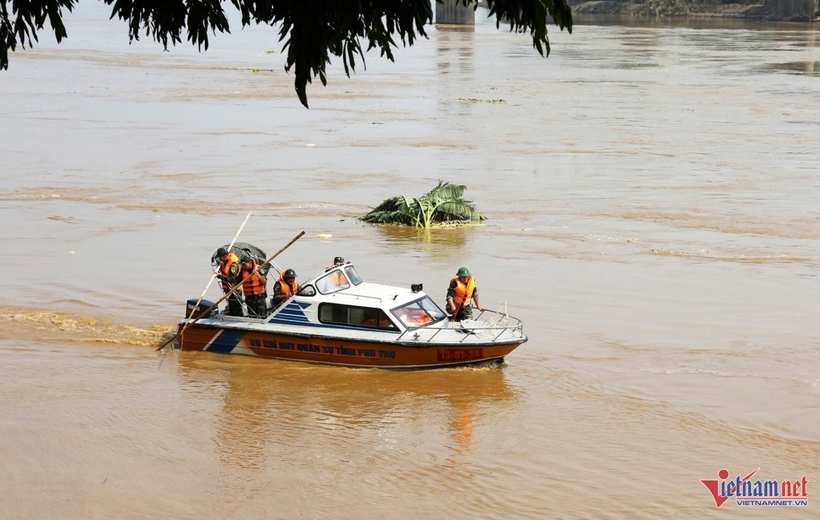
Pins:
x,y
352,275
395,311
326,285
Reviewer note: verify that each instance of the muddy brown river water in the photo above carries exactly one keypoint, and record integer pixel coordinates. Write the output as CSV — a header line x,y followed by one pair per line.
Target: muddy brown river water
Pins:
x,y
652,193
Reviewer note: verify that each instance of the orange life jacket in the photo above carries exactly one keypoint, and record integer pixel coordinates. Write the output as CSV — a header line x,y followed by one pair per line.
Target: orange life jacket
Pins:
x,y
383,322
419,316
338,278
254,286
225,269
285,289
462,290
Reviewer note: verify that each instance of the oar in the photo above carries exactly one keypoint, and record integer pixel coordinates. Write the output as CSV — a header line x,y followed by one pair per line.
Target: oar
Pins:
x,y
233,289
216,273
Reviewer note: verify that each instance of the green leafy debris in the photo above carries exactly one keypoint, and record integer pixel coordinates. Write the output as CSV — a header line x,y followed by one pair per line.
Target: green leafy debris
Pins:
x,y
443,206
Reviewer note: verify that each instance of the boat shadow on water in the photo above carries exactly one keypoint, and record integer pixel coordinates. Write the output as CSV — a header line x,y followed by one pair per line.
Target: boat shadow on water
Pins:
x,y
272,405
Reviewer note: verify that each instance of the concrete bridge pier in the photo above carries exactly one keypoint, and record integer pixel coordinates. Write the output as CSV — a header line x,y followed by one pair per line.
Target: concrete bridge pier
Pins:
x,y
453,12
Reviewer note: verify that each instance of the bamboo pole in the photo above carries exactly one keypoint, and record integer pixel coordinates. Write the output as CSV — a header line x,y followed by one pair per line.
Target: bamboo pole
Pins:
x,y
201,296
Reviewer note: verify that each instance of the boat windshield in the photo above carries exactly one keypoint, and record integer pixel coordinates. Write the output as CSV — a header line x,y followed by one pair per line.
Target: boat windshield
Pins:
x,y
334,281
419,313
352,275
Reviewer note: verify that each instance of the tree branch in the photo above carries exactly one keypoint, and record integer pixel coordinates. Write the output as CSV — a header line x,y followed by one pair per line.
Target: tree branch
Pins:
x,y
312,30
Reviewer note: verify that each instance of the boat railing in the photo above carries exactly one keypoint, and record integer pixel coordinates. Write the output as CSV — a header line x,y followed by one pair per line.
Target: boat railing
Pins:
x,y
494,323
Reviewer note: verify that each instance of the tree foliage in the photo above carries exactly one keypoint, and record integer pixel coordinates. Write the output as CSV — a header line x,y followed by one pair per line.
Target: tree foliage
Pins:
x,y
440,206
312,30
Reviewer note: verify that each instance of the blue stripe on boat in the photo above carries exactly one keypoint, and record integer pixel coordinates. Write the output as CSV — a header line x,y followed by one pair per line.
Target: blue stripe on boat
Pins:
x,y
226,341
292,313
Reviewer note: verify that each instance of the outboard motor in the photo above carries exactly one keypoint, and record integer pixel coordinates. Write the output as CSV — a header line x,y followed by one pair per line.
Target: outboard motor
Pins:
x,y
203,306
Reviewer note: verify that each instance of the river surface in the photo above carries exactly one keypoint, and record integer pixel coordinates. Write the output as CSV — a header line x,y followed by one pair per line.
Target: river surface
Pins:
x,y
653,202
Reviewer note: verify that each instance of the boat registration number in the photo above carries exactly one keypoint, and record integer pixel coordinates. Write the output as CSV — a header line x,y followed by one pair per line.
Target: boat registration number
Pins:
x,y
459,354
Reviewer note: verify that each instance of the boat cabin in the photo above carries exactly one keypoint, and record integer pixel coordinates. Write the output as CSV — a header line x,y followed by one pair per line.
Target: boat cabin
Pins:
x,y
339,297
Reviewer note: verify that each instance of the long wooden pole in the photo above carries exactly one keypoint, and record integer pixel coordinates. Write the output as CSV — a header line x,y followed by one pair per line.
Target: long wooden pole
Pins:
x,y
233,289
216,273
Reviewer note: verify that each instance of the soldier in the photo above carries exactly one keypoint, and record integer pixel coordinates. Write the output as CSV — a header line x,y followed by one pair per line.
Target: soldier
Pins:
x,y
228,273
285,287
461,294
255,289
338,278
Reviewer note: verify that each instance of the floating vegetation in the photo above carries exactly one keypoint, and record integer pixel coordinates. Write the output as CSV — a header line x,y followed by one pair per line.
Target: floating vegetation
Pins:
x,y
443,206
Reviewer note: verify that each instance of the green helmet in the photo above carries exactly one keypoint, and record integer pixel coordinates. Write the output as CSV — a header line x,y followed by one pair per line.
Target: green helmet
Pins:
x,y
290,273
338,260
463,271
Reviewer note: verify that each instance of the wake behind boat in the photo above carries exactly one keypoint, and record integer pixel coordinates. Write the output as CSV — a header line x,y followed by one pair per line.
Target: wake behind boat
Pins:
x,y
338,318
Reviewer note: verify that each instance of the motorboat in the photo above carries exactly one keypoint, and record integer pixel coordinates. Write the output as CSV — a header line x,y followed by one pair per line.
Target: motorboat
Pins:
x,y
337,318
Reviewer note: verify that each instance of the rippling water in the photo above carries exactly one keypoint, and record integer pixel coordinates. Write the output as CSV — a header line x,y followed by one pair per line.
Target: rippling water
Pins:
x,y
652,198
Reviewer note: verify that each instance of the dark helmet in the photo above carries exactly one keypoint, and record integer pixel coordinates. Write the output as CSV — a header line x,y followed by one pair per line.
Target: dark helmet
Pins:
x,y
463,271
338,260
222,251
290,273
